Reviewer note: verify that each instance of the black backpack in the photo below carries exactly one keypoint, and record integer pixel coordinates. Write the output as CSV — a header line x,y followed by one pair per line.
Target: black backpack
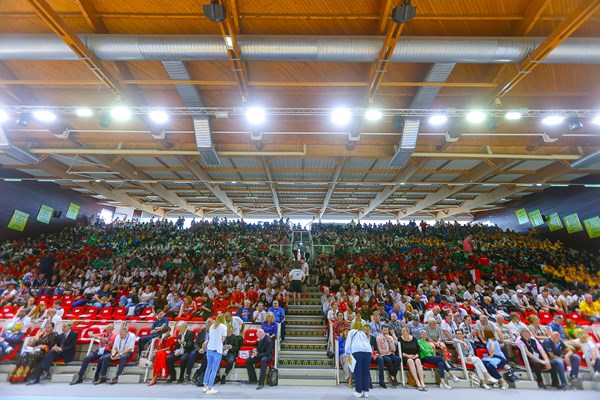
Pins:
x,y
273,377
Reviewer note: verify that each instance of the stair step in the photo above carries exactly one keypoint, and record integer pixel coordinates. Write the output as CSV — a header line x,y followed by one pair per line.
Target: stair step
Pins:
x,y
306,362
307,354
6,368
3,377
305,327
287,346
304,333
293,322
313,312
305,340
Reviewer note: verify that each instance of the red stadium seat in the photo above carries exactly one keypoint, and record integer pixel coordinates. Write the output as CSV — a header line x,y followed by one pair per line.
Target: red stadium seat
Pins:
x,y
250,337
243,354
119,313
578,319
7,312
75,313
545,317
105,313
143,332
84,336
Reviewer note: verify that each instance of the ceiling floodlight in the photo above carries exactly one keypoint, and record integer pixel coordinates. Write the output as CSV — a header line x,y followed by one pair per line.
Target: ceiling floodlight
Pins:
x,y
120,113
552,120
373,115
596,120
3,116
513,115
438,119
255,115
476,116
158,116
84,112
341,116
44,115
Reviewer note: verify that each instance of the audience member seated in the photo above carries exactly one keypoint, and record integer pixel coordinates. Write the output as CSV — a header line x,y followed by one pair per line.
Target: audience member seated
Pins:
x,y
560,356
199,354
480,377
376,357
12,338
495,358
181,353
122,351
263,355
245,312
537,357
590,309
105,345
231,346
279,314
427,355
386,344
156,330
35,350
591,353
64,349
410,356
163,345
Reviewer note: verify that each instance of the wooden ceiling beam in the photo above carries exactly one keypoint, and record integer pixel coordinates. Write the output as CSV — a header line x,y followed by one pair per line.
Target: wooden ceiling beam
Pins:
x,y
275,198
58,170
544,175
62,30
558,36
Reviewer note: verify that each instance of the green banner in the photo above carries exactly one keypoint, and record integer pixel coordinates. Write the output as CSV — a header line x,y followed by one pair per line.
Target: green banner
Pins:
x,y
45,214
18,221
536,218
73,211
554,222
572,223
522,216
592,226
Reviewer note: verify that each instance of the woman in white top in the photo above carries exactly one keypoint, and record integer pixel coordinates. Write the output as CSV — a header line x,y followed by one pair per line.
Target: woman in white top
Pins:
x,y
214,352
590,352
358,346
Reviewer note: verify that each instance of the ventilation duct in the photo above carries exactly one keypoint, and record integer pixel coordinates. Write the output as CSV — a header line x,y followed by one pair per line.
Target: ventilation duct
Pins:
x,y
588,161
422,100
191,98
15,152
299,48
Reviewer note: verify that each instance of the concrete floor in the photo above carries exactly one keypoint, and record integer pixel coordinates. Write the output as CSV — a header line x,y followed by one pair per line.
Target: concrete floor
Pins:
x,y
47,391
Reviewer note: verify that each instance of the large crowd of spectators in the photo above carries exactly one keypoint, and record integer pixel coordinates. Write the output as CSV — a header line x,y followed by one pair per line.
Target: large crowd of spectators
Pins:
x,y
423,287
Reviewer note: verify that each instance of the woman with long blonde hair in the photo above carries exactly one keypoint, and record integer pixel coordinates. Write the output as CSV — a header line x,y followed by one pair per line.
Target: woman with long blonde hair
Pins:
x,y
214,353
358,351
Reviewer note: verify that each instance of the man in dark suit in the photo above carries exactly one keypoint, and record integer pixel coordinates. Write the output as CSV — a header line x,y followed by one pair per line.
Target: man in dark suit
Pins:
x,y
183,348
64,349
263,354
199,354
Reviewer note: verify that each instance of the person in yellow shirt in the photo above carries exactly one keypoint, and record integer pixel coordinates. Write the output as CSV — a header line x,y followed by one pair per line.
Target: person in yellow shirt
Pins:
x,y
590,309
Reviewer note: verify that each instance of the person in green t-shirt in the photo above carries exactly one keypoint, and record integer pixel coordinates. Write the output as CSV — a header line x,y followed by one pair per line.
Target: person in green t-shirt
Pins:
x,y
428,356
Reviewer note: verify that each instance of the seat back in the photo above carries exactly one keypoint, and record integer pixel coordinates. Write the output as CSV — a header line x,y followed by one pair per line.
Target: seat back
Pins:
x,y
250,337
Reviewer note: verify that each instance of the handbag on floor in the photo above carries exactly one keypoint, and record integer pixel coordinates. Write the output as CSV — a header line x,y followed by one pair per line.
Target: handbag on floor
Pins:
x,y
273,377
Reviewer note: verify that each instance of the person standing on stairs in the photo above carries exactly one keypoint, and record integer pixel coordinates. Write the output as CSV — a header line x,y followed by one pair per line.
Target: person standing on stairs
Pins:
x,y
297,277
304,268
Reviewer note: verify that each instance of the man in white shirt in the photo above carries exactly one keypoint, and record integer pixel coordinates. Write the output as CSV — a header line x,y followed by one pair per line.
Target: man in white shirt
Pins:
x,y
122,351
304,268
297,277
52,316
211,291
259,315
521,302
546,302
448,326
236,322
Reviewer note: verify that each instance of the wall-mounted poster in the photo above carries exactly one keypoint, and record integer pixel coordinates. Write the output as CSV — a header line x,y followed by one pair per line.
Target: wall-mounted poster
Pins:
x,y
572,223
45,214
73,211
536,218
554,222
592,226
522,216
18,220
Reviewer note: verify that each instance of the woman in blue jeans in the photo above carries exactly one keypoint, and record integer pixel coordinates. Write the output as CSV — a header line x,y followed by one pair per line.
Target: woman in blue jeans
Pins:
x,y
428,356
495,358
358,346
214,352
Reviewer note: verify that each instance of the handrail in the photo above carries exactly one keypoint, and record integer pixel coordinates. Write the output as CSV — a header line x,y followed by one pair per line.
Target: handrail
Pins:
x,y
337,362
463,359
277,346
402,363
521,348
150,355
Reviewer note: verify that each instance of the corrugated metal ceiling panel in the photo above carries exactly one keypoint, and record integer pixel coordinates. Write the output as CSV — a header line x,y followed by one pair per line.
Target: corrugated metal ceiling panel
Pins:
x,y
9,160
463,165
186,175
171,161
287,163
253,176
351,177
380,177
385,164
419,177
162,174
224,175
143,161
532,165
246,163
36,172
435,164
442,177
570,177
319,163
504,178
75,161
360,163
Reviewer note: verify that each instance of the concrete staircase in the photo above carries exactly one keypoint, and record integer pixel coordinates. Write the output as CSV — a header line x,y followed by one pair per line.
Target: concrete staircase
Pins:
x,y
303,356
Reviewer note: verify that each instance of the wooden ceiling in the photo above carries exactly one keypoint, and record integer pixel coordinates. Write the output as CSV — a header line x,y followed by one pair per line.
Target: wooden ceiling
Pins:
x,y
305,165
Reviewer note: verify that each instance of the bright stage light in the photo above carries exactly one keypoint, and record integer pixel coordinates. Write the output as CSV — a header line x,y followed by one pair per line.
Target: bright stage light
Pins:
x,y
120,113
158,116
341,116
44,115
373,115
476,116
255,115
438,119
552,120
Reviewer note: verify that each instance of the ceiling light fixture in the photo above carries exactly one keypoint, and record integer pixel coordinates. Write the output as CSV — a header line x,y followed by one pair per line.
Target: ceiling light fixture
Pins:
x,y
476,116
341,116
438,119
255,115
24,120
3,116
574,124
513,115
596,119
552,120
120,113
84,112
158,116
44,115
373,115
105,120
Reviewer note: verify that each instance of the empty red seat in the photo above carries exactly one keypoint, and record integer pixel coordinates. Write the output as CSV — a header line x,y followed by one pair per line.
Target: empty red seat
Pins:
x,y
105,313
84,336
250,337
545,317
578,319
119,313
75,313
7,312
